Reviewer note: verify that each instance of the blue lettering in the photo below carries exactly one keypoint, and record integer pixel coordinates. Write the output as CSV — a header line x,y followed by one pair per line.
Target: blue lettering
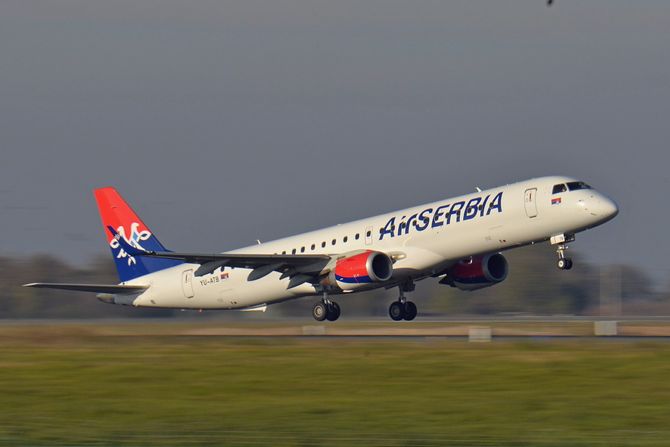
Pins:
x,y
389,229
483,206
442,215
425,218
496,204
471,210
455,210
401,225
437,215
411,219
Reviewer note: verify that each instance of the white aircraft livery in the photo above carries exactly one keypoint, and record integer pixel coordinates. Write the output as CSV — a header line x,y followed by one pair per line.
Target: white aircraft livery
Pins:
x,y
457,240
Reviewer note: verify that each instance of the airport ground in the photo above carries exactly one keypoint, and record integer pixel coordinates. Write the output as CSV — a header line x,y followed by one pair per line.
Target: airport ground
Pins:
x,y
356,383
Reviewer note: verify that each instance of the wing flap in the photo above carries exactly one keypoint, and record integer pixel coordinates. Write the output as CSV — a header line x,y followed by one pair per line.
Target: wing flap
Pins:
x,y
94,288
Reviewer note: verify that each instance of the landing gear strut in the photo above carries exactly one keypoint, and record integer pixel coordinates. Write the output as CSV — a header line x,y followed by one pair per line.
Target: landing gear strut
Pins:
x,y
563,263
403,309
326,309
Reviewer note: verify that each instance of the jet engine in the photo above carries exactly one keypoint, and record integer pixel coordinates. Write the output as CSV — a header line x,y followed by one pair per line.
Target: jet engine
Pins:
x,y
359,269
477,272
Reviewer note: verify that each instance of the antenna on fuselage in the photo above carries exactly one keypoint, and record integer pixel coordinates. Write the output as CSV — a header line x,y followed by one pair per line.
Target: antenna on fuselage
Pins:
x,y
478,189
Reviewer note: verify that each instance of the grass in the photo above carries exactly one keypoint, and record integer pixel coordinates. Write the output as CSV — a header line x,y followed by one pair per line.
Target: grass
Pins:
x,y
71,388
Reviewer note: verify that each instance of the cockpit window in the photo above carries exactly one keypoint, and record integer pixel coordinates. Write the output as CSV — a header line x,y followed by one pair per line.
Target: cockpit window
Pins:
x,y
559,188
574,186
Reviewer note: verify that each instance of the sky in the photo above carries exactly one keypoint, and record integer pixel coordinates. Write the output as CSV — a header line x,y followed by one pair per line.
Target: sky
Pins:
x,y
223,122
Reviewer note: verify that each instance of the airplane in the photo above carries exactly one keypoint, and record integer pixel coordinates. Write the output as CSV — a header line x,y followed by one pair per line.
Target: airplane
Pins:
x,y
457,240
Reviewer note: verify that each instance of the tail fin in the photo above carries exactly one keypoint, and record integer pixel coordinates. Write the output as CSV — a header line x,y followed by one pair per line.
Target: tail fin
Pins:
x,y
115,212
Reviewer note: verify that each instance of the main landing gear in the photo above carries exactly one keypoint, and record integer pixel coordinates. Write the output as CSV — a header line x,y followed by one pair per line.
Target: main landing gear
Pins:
x,y
403,309
326,309
563,263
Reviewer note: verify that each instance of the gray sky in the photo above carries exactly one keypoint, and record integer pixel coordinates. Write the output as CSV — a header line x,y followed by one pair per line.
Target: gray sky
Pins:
x,y
227,121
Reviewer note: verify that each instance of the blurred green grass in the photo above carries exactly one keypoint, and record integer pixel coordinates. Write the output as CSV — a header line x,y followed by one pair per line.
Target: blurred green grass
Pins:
x,y
71,388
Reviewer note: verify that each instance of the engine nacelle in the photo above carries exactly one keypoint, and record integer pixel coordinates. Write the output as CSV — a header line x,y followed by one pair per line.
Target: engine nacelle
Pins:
x,y
477,272
358,270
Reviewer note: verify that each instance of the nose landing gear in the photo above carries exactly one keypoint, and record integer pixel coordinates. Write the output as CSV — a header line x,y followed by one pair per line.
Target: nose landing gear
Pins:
x,y
563,263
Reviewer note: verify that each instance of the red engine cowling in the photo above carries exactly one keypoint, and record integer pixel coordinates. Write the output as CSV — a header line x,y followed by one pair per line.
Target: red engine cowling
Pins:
x,y
360,269
477,272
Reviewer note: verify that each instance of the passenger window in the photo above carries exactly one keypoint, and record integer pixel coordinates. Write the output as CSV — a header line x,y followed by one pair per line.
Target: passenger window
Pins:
x,y
334,241
369,233
302,249
574,186
283,252
313,247
345,239
323,244
559,189
358,236
293,251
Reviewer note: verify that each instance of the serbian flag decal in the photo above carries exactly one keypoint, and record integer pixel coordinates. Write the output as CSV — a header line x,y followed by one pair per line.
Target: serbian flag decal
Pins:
x,y
556,201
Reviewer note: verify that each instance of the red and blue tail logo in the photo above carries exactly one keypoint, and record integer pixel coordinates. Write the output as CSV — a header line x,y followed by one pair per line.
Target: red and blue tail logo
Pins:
x,y
116,213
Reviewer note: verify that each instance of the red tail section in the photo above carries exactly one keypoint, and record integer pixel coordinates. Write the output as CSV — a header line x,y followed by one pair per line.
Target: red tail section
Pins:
x,y
115,212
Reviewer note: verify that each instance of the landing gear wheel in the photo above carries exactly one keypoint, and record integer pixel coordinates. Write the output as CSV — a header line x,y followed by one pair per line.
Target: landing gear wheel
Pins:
x,y
333,311
320,311
396,311
410,311
561,241
564,263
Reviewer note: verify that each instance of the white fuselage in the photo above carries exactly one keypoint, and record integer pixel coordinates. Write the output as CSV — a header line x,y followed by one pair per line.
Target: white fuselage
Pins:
x,y
423,240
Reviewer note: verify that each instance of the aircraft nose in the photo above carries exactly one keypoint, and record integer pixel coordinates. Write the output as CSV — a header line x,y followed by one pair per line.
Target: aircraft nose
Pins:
x,y
610,208
603,207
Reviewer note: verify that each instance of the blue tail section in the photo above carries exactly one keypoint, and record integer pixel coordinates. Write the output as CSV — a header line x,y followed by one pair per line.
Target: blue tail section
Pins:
x,y
117,214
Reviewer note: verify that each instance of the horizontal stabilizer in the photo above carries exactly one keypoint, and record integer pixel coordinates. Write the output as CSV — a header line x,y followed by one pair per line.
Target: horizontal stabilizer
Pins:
x,y
95,288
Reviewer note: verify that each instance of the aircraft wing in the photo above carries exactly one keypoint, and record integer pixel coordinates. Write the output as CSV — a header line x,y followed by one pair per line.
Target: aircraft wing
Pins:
x,y
96,288
297,267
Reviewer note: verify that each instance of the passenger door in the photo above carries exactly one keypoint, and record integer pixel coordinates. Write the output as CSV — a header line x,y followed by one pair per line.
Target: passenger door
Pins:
x,y
530,202
187,283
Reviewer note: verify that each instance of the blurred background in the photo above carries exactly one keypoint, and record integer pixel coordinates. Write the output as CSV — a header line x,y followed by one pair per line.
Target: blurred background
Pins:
x,y
534,287
227,121
223,122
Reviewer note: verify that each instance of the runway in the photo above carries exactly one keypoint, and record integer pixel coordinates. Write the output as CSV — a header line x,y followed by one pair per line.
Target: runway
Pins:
x,y
499,329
